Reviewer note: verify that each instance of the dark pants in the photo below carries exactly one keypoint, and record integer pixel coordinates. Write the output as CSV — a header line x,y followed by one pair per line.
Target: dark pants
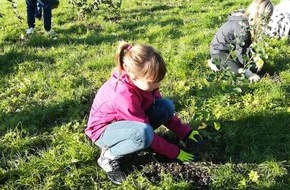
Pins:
x,y
31,7
224,61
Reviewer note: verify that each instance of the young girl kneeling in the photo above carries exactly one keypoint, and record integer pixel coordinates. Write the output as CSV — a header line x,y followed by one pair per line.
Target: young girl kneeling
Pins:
x,y
128,108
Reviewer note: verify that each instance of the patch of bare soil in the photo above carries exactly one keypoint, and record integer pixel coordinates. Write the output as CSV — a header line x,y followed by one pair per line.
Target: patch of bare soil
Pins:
x,y
153,165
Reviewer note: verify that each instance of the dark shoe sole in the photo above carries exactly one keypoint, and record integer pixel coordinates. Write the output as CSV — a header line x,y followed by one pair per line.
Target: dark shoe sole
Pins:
x,y
116,177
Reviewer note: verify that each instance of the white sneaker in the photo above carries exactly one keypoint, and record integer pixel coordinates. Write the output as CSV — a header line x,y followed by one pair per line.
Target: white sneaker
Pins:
x,y
50,33
105,161
30,31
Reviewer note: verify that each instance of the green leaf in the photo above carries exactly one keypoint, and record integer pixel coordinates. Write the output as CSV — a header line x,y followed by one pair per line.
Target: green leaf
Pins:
x,y
253,176
217,126
202,126
211,77
237,89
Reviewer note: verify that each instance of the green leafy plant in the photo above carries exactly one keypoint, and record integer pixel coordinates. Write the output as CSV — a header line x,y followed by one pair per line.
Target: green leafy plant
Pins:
x,y
85,7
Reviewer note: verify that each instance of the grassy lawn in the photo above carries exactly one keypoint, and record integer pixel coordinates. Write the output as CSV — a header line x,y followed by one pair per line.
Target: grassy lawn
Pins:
x,y
47,86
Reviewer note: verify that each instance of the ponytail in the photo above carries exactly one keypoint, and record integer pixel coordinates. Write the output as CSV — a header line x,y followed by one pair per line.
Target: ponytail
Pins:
x,y
122,49
141,60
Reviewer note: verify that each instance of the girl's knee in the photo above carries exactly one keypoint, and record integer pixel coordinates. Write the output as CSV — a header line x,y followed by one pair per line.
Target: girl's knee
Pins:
x,y
170,107
145,136
149,133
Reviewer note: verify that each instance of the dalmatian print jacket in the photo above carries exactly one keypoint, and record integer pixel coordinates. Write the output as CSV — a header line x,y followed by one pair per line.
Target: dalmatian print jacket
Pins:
x,y
279,24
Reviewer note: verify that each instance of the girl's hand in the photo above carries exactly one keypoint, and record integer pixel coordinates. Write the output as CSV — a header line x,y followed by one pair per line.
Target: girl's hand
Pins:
x,y
195,136
252,76
184,156
212,66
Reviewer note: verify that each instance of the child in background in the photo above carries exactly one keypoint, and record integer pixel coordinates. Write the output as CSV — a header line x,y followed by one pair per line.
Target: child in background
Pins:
x,y
238,34
128,108
31,7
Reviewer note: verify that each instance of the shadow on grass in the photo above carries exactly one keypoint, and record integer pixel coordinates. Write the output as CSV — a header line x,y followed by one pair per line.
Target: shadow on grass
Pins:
x,y
149,10
10,60
92,35
30,131
279,64
128,28
254,139
39,119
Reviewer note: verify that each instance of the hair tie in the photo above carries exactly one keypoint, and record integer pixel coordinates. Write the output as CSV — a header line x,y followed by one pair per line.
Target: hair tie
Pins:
x,y
128,48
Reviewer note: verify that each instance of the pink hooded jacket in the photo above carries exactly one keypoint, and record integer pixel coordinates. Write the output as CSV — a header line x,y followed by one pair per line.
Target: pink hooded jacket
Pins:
x,y
120,99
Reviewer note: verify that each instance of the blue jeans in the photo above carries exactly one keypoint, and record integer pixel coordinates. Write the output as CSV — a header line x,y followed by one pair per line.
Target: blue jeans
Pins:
x,y
31,7
125,137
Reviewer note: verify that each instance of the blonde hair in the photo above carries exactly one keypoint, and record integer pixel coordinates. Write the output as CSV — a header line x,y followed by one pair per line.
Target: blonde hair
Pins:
x,y
141,60
259,11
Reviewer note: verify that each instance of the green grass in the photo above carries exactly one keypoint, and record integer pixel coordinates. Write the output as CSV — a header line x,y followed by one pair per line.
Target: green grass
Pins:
x,y
47,86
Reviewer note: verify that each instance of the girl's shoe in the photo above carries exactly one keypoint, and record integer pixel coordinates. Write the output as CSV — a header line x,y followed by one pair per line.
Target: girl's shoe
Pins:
x,y
112,168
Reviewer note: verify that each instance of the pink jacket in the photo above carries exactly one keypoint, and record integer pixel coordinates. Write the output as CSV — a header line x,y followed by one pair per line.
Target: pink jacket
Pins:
x,y
120,99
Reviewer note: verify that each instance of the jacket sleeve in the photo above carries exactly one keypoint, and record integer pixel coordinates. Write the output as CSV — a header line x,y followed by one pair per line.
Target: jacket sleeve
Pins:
x,y
161,146
180,129
243,41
